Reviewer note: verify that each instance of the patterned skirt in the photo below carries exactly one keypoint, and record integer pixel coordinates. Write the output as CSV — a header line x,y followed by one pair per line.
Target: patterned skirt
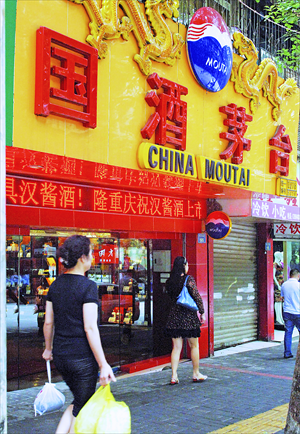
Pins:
x,y
182,322
181,333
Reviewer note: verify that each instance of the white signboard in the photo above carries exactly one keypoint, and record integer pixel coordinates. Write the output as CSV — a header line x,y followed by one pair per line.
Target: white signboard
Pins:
x,y
287,230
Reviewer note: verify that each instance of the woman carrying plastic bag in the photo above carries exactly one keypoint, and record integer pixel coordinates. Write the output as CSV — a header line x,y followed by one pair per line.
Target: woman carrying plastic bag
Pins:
x,y
71,322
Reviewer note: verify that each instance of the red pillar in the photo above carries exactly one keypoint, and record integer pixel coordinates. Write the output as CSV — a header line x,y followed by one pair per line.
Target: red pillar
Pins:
x,y
197,257
265,282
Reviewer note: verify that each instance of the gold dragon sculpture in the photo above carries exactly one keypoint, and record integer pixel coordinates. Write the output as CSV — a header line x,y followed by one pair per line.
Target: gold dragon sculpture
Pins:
x,y
155,41
249,78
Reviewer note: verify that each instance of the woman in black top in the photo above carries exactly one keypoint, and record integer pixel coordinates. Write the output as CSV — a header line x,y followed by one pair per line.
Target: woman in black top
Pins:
x,y
183,322
71,323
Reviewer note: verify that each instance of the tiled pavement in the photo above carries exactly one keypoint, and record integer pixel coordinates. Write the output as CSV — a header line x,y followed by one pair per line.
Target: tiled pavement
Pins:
x,y
246,392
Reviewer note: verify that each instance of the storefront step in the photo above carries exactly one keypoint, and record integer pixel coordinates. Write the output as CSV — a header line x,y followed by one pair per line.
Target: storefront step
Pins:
x,y
145,364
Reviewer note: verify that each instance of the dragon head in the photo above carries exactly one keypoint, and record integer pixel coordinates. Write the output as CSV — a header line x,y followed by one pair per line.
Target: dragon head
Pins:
x,y
169,8
244,45
174,6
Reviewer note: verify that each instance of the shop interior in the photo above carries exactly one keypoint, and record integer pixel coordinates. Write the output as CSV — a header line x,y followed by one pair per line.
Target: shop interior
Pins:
x,y
123,271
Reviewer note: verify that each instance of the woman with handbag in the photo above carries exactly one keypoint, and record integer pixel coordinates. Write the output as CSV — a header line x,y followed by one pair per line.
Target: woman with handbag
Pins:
x,y
72,323
183,322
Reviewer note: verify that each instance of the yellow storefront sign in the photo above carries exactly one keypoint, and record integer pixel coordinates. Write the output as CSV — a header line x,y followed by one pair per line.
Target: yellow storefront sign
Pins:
x,y
224,173
286,187
166,160
122,110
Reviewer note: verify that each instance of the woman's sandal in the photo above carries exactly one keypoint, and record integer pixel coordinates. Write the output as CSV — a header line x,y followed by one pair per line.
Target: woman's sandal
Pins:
x,y
173,381
200,380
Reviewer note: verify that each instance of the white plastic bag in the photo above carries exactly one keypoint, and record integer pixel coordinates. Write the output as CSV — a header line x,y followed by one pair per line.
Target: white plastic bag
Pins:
x,y
48,398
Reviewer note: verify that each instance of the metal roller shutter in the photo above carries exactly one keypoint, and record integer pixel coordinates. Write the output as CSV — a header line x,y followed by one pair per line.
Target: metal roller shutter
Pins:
x,y
235,286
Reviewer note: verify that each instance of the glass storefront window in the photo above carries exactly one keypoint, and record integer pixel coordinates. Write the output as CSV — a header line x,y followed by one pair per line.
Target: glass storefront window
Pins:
x,y
293,254
124,282
288,252
31,268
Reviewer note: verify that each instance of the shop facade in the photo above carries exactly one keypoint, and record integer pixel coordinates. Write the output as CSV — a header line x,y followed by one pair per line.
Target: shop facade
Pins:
x,y
281,214
136,155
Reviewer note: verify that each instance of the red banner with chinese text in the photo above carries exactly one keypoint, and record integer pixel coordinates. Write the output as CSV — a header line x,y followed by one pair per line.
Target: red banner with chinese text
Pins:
x,y
66,169
56,195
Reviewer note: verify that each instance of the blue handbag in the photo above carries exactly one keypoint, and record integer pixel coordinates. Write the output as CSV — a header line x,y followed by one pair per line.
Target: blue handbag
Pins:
x,y
184,298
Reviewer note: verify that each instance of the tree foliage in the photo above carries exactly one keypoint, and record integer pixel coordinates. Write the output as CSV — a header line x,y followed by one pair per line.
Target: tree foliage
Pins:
x,y
287,14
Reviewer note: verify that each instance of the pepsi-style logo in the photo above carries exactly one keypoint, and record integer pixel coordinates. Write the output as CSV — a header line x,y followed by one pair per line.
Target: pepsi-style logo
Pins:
x,y
218,225
209,49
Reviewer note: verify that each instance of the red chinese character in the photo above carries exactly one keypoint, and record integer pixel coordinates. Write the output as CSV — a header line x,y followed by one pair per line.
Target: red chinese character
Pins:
x,y
116,174
77,75
281,228
129,176
155,180
295,228
69,166
67,197
10,189
167,207
10,157
115,204
155,203
28,188
170,115
143,178
48,161
236,118
129,204
190,208
178,208
178,183
100,200
199,188
167,182
48,195
100,171
282,141
29,162
198,210
143,203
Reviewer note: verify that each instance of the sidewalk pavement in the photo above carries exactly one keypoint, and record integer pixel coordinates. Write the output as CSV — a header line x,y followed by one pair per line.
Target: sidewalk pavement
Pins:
x,y
246,392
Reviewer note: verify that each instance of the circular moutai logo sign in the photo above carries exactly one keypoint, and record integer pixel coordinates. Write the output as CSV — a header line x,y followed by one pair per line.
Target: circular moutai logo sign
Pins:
x,y
218,225
209,49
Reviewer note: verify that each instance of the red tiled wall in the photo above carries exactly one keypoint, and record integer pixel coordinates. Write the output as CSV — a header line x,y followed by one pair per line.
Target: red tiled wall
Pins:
x,y
265,283
196,254
46,218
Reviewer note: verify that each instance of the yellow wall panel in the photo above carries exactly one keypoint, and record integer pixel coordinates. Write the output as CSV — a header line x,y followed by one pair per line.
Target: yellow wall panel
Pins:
x,y
121,108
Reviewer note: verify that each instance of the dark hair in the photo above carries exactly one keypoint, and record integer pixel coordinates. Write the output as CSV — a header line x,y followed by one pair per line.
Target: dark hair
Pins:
x,y
279,273
294,272
178,266
72,249
174,284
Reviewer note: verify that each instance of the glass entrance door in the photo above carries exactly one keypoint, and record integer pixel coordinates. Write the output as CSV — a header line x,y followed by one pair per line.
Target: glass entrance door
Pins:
x,y
136,292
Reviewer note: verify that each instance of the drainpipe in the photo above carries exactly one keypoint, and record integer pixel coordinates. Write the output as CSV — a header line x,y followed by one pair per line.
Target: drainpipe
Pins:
x,y
3,381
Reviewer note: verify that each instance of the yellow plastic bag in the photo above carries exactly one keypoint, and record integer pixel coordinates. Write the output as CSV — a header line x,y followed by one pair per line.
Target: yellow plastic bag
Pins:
x,y
102,414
